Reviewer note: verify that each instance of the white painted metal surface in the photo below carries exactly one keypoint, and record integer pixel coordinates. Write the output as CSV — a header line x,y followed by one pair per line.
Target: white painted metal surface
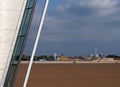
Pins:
x,y
36,43
11,12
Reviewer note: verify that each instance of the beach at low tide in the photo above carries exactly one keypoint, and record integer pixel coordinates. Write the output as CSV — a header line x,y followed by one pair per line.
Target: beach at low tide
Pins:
x,y
71,75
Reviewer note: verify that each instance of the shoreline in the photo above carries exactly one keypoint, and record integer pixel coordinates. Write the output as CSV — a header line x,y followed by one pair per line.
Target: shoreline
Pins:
x,y
72,62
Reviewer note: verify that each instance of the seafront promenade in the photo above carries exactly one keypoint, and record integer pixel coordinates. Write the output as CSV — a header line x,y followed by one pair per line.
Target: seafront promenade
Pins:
x,y
70,62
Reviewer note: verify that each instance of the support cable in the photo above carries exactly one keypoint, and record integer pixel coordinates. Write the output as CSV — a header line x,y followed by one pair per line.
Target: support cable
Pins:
x,y
36,43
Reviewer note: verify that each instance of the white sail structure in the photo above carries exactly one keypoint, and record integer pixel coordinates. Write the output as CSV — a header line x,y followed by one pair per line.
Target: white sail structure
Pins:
x,y
11,13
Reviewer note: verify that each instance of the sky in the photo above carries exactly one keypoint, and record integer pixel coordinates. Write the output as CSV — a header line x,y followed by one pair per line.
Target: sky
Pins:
x,y
77,27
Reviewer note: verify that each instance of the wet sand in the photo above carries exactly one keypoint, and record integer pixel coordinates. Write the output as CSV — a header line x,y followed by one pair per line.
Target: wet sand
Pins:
x,y
71,75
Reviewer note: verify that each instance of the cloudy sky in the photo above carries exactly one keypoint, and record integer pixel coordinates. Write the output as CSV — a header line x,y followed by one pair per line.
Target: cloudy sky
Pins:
x,y
78,27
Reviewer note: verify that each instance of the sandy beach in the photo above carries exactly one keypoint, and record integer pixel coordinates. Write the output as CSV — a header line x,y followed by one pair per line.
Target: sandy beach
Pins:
x,y
71,75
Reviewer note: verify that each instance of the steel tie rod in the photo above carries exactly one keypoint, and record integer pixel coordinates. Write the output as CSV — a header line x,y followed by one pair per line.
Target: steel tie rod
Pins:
x,y
36,43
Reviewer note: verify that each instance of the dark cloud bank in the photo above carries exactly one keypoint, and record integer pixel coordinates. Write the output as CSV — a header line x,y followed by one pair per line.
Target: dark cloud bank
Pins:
x,y
77,27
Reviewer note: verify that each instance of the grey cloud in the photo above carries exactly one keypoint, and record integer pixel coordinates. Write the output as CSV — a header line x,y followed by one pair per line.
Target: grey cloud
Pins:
x,y
80,11
78,29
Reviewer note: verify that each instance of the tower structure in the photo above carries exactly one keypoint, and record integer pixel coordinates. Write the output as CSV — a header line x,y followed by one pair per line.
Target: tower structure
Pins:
x,y
15,21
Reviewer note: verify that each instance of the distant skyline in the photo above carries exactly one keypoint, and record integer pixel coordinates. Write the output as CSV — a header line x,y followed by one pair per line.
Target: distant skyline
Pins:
x,y
77,27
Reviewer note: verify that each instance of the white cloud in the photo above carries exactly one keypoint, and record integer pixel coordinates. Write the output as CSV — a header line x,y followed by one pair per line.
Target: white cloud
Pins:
x,y
103,7
99,3
63,7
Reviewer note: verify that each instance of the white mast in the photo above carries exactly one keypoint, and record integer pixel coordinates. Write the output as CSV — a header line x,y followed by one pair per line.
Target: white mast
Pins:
x,y
36,43
96,51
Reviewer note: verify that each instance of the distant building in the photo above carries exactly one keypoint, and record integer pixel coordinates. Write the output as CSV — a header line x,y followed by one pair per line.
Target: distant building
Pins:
x,y
55,56
108,59
116,58
63,58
